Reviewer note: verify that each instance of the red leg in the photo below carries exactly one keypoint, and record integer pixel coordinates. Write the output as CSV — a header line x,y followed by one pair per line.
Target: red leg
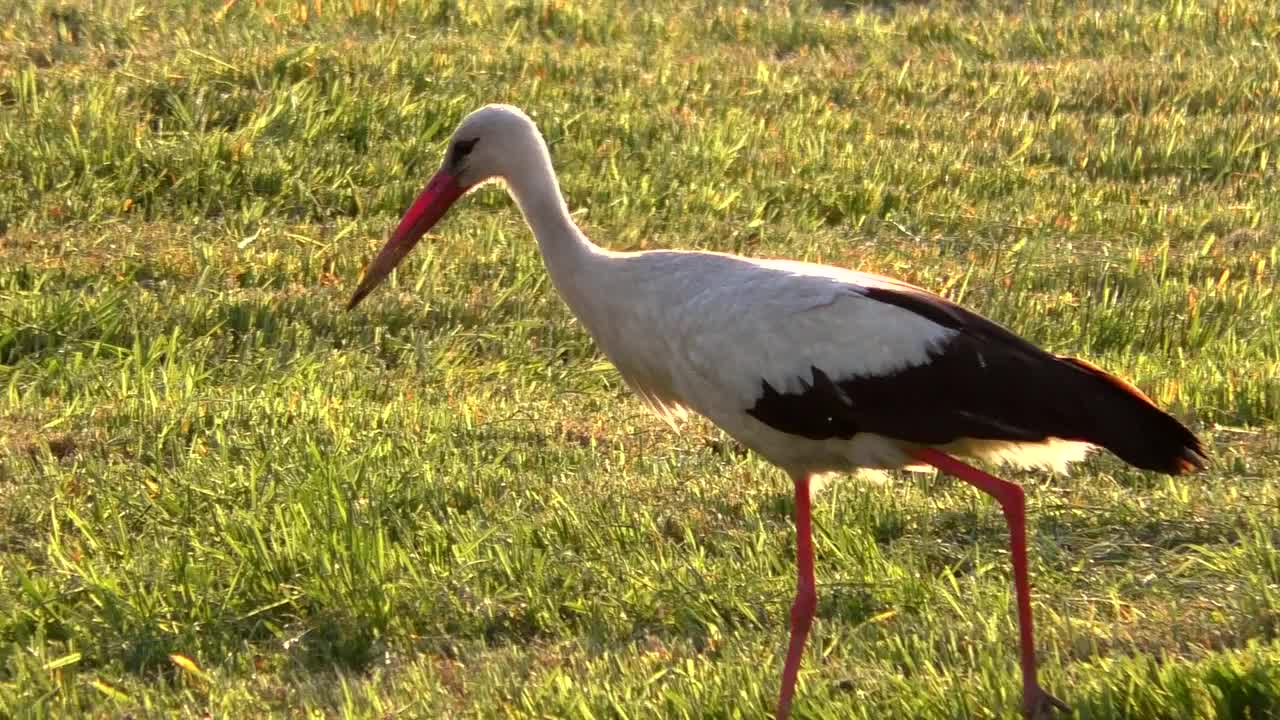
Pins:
x,y
1036,703
806,600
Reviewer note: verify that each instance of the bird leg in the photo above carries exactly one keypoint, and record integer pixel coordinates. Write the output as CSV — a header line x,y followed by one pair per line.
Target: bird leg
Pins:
x,y
806,600
1036,702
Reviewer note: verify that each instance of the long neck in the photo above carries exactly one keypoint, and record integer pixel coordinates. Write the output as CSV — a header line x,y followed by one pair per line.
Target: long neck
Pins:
x,y
572,259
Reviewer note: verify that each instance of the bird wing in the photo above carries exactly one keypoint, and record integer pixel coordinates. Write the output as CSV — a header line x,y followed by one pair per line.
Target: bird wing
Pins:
x,y
822,353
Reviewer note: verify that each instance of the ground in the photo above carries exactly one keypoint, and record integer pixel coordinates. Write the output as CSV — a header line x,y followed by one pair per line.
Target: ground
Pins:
x,y
220,493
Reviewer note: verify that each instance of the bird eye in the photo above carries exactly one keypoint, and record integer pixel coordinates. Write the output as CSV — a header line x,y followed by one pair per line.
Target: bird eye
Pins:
x,y
461,149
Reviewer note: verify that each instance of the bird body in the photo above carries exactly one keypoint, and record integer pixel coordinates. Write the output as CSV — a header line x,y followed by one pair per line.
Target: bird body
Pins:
x,y
803,363
816,368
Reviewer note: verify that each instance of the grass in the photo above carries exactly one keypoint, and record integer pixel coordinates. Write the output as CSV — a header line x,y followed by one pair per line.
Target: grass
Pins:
x,y
221,494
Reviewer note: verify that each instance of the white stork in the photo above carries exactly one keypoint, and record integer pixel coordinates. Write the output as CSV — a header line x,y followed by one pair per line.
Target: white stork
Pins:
x,y
815,368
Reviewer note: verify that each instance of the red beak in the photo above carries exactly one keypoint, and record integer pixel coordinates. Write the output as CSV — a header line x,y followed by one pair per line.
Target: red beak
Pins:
x,y
425,212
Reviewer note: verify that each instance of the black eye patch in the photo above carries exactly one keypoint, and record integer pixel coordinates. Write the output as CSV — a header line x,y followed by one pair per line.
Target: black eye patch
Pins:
x,y
461,149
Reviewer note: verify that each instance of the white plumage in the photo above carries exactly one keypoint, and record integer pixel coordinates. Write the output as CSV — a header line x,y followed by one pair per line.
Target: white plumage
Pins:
x,y
816,368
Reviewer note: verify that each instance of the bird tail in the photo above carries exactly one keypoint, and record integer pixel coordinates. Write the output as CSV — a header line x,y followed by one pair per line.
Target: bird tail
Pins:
x,y
1128,424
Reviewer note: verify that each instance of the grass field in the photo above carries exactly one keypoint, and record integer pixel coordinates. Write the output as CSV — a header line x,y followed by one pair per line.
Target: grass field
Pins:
x,y
221,494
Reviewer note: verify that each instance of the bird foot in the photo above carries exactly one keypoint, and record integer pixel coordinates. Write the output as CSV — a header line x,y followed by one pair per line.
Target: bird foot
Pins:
x,y
1037,704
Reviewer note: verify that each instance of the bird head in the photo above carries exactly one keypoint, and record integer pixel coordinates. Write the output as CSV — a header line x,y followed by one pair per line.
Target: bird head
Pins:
x,y
491,143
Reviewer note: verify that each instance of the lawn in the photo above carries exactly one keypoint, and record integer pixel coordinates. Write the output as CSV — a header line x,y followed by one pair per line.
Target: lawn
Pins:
x,y
222,495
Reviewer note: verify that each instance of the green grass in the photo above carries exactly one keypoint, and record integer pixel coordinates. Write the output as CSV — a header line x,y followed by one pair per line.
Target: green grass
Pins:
x,y
446,505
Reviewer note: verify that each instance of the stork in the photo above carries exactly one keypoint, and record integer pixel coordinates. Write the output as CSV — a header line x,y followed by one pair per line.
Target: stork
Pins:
x,y
815,368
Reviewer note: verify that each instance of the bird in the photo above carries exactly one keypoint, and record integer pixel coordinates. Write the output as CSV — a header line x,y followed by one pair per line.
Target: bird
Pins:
x,y
817,369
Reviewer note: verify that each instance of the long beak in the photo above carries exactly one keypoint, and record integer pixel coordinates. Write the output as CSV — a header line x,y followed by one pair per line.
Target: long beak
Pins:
x,y
425,212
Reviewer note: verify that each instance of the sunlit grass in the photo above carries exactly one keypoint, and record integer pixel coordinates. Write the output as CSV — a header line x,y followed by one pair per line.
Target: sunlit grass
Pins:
x,y
219,492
